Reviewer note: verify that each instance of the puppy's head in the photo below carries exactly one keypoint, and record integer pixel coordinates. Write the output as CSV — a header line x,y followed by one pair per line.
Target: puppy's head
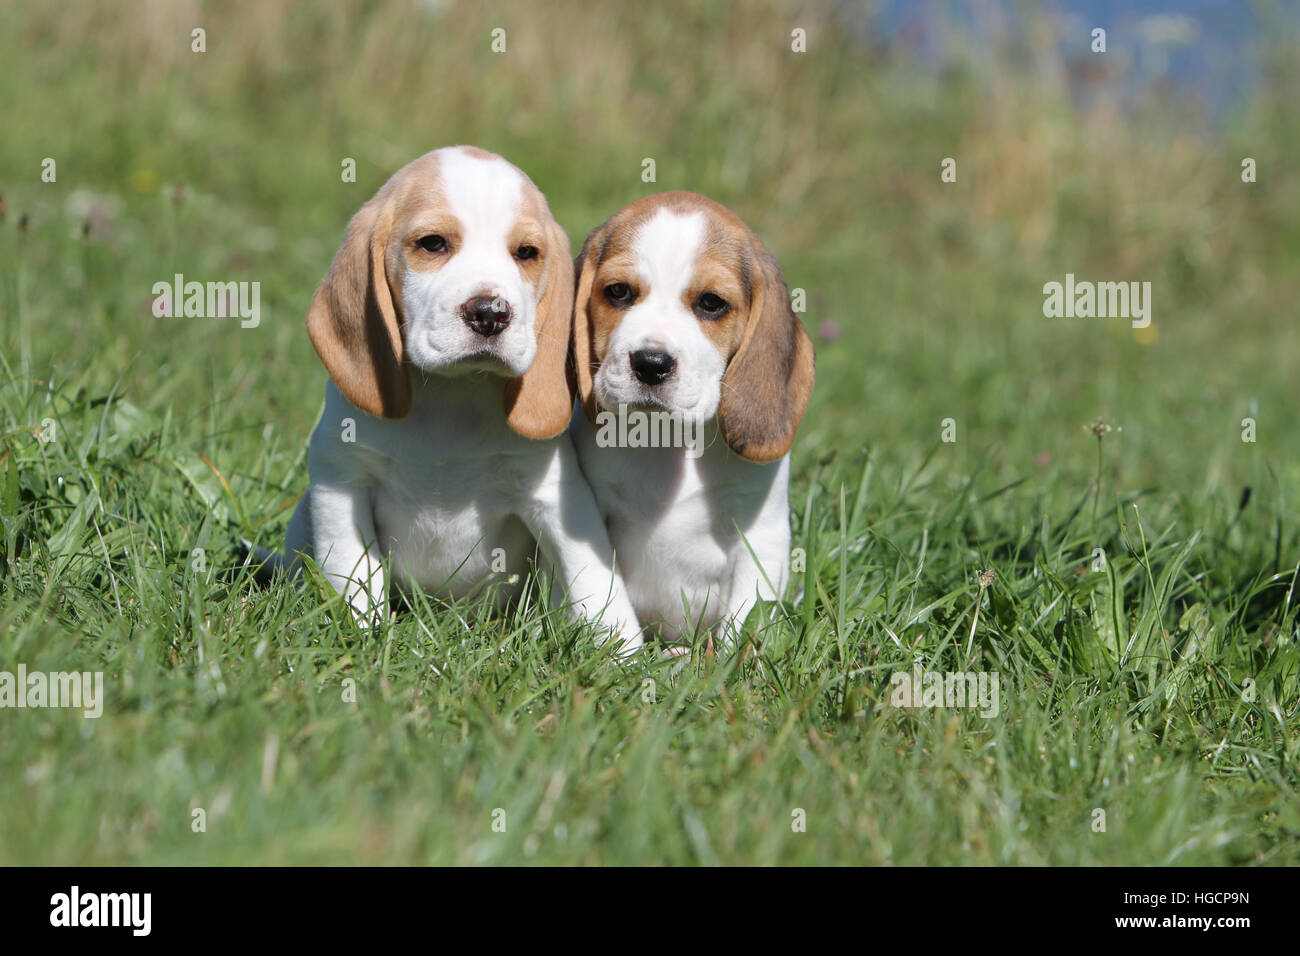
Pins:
x,y
454,266
680,308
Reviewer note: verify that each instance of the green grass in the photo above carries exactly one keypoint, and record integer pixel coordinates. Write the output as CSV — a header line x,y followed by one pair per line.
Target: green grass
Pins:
x,y
1124,689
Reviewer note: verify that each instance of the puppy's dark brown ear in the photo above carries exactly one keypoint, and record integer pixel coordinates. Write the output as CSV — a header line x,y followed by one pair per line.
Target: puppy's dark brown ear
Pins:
x,y
353,322
539,403
584,343
768,381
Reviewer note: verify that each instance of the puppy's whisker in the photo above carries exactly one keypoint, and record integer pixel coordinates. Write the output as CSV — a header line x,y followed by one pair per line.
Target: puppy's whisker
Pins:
x,y
546,336
725,385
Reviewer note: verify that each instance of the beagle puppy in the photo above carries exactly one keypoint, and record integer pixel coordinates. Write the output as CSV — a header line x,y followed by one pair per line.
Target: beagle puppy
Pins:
x,y
681,312
444,323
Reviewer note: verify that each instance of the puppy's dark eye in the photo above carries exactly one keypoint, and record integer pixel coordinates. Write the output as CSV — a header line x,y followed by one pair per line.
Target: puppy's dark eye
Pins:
x,y
619,293
432,244
711,306
526,252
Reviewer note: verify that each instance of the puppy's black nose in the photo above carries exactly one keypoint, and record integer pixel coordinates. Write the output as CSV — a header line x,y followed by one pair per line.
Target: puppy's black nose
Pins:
x,y
652,367
486,314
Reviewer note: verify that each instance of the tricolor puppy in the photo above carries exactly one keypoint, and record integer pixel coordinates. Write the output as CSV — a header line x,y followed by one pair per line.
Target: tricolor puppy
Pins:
x,y
681,310
444,324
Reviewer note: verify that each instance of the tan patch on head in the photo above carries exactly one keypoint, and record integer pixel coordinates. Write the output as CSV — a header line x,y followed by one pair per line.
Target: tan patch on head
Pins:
x,y
724,268
420,209
606,257
477,153
532,227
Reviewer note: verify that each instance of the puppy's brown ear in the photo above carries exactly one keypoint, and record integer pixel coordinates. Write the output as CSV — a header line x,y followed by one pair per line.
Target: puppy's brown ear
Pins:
x,y
539,403
352,320
768,381
585,365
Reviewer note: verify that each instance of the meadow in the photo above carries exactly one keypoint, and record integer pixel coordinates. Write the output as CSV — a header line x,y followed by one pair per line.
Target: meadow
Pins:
x,y
1104,530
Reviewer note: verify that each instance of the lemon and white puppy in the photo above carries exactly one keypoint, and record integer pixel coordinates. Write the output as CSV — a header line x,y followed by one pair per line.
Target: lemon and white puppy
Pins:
x,y
444,323
681,310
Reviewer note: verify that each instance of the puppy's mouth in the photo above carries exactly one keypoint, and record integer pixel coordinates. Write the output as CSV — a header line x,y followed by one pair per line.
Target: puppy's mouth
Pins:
x,y
488,359
489,356
484,360
646,402
612,390
639,403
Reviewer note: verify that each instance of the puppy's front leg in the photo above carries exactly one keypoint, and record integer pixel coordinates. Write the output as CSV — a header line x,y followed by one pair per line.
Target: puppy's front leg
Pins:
x,y
344,543
561,513
760,576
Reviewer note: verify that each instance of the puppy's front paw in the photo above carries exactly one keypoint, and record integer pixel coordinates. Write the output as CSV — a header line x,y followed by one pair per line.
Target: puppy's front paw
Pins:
x,y
369,615
627,642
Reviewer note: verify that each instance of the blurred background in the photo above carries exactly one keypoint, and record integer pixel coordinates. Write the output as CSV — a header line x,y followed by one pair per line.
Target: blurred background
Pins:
x,y
925,298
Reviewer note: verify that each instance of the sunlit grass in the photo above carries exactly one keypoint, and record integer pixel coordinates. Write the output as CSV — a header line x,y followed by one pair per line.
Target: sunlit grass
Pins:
x,y
1148,656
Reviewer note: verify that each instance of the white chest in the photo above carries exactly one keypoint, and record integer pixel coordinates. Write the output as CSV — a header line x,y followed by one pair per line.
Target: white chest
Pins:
x,y
446,487
449,526
686,530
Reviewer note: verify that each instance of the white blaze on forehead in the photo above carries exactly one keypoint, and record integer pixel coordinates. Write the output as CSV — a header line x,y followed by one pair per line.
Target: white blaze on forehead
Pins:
x,y
666,248
484,194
